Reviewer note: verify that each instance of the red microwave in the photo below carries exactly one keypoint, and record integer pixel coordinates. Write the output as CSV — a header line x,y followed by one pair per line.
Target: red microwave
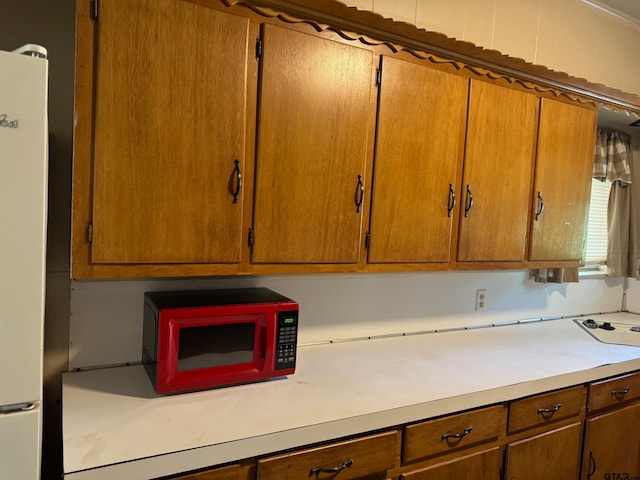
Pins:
x,y
194,340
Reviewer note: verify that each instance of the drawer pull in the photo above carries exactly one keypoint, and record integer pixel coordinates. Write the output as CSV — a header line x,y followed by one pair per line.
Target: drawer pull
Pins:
x,y
620,393
549,411
317,470
464,433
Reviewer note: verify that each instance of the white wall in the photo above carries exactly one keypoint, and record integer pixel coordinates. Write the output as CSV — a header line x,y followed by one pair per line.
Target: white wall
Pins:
x,y
565,35
633,288
106,316
633,296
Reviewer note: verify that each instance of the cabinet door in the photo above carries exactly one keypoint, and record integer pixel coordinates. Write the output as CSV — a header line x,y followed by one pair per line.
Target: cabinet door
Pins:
x,y
169,127
231,472
497,176
554,454
419,145
564,166
315,123
485,465
612,445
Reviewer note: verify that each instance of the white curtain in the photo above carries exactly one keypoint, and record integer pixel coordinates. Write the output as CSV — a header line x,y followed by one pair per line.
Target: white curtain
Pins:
x,y
613,162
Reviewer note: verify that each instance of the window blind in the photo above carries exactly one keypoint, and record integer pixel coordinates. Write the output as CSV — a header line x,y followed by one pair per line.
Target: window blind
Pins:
x,y
596,251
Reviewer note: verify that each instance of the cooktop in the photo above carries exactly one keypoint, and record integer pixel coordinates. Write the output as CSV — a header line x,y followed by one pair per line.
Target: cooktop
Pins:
x,y
618,328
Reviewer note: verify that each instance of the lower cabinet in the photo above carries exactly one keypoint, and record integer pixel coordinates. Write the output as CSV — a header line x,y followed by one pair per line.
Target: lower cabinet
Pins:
x,y
545,435
585,432
612,445
554,454
231,472
484,465
612,430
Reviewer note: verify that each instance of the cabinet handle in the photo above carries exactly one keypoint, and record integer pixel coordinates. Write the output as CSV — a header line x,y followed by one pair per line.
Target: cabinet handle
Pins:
x,y
463,434
592,465
452,200
317,470
620,393
540,208
238,183
552,410
359,196
468,201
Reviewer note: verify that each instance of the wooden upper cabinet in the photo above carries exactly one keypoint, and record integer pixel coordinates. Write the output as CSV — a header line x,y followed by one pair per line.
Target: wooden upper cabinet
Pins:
x,y
316,113
169,126
419,145
564,165
498,167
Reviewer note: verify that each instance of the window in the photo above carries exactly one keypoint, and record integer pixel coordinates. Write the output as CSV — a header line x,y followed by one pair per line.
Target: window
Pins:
x,y
596,248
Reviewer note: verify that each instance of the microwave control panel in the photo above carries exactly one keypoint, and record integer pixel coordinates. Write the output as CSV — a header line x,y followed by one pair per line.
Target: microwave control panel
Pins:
x,y
287,340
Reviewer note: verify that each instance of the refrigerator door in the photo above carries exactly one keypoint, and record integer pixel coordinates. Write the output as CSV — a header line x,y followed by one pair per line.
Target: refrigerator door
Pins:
x,y
23,209
19,437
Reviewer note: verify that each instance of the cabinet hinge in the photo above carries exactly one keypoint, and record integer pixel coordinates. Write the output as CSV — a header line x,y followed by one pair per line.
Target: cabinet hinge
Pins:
x,y
367,240
89,233
378,77
251,238
258,47
93,10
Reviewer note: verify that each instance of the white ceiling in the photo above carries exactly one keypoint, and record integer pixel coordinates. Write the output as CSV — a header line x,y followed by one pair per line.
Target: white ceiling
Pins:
x,y
617,120
628,8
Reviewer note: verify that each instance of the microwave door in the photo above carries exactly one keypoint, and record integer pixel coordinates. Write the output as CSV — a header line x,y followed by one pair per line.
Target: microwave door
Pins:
x,y
214,346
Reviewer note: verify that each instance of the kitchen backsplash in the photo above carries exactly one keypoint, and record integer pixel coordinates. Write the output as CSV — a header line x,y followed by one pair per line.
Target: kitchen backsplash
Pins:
x,y
106,316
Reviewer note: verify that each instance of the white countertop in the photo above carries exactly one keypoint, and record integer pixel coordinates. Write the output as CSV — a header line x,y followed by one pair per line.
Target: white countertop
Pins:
x,y
114,426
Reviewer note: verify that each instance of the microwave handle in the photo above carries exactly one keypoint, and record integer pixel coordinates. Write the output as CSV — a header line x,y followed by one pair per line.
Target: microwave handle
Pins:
x,y
262,347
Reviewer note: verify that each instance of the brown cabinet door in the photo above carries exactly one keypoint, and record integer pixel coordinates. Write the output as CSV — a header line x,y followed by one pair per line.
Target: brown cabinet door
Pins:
x,y
315,122
485,465
554,454
612,445
232,472
564,167
419,145
169,125
498,168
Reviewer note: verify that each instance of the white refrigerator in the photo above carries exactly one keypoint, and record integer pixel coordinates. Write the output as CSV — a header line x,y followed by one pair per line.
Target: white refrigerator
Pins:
x,y
23,229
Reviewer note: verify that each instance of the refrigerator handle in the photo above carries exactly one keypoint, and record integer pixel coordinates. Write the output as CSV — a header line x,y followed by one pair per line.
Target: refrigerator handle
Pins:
x,y
18,407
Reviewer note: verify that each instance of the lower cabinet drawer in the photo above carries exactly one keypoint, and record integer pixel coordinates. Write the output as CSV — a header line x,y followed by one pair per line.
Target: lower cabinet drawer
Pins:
x,y
451,433
368,457
546,408
614,391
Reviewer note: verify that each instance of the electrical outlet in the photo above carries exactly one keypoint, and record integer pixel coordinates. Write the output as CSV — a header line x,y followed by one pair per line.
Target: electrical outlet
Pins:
x,y
481,298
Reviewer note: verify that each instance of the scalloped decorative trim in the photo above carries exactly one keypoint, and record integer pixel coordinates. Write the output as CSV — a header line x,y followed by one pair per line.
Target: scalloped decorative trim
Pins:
x,y
587,92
